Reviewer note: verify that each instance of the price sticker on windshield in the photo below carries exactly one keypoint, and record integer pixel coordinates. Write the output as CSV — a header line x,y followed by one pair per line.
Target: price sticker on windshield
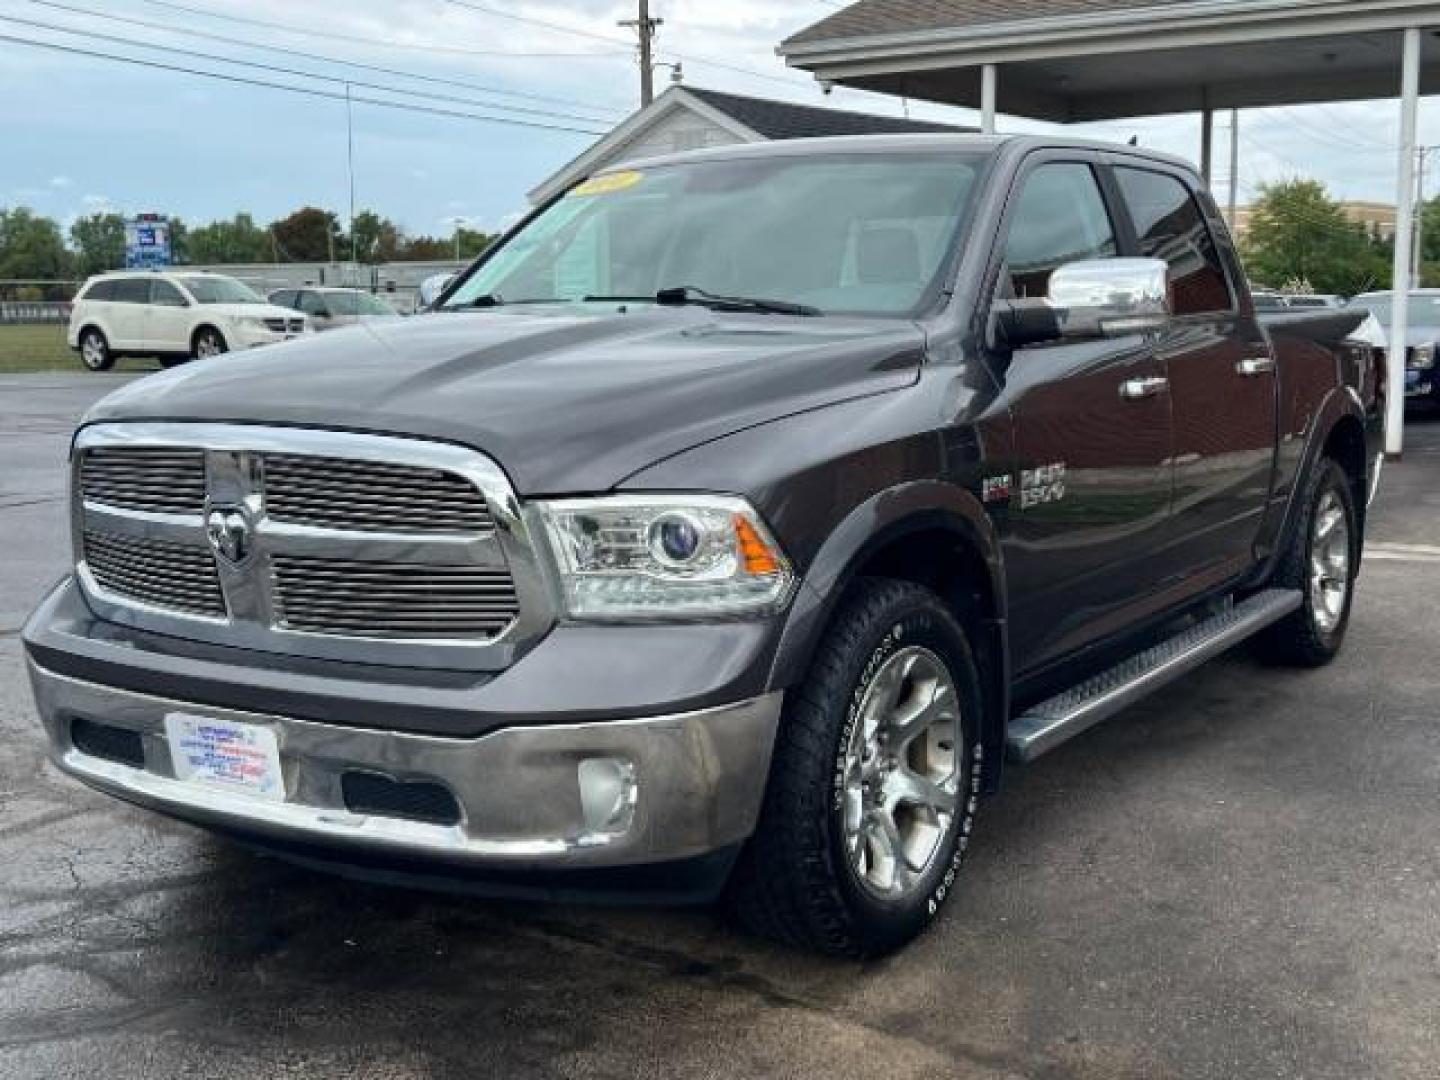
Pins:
x,y
609,183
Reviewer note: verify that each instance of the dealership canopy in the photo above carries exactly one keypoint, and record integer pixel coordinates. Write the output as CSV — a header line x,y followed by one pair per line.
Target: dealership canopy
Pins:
x,y
1081,60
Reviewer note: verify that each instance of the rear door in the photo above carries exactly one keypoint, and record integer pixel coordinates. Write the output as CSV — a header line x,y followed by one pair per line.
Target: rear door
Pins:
x,y
128,304
1222,379
167,321
1089,489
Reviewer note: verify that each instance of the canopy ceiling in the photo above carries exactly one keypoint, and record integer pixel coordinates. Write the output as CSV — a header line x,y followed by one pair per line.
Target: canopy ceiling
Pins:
x,y
1078,60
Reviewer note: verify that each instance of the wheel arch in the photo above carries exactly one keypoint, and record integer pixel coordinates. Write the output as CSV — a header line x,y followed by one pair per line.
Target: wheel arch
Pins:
x,y
930,533
1340,431
200,328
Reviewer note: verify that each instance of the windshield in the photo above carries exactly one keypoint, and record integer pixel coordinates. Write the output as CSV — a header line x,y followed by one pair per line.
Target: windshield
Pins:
x,y
220,290
855,233
1424,310
356,303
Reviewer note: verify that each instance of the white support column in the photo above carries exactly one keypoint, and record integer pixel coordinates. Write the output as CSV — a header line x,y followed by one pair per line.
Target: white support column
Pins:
x,y
988,93
1404,237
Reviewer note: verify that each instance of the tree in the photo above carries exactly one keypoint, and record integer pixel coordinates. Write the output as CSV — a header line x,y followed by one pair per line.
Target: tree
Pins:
x,y
473,242
376,239
1298,233
309,235
238,240
179,241
427,249
99,242
31,248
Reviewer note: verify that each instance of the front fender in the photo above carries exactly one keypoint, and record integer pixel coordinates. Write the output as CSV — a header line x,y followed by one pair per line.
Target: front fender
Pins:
x,y
884,518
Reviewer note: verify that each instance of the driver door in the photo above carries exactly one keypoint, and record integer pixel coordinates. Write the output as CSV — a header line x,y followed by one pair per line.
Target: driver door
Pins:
x,y
1090,486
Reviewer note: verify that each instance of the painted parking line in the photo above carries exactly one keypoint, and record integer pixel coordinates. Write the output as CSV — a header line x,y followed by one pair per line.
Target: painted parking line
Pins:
x,y
1405,549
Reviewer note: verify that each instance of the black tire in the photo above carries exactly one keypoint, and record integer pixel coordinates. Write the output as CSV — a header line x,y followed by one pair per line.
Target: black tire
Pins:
x,y
795,882
1309,637
170,361
208,342
95,351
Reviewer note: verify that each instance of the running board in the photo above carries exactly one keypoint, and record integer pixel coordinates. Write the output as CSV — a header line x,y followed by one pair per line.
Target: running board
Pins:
x,y
1047,725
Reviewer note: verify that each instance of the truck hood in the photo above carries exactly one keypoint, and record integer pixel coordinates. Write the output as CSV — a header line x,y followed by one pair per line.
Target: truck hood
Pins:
x,y
567,399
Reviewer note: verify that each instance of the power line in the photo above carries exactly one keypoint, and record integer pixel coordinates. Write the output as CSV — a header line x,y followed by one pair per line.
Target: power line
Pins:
x,y
321,58
309,91
281,70
695,58
356,38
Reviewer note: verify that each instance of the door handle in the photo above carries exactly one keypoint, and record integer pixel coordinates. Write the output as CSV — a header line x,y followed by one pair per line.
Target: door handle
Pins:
x,y
1139,389
1255,365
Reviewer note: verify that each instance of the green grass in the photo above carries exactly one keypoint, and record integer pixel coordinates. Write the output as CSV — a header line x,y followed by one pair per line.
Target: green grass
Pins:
x,y
43,348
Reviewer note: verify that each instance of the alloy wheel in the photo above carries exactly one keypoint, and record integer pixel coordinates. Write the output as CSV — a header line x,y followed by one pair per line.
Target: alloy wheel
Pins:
x,y
1329,563
902,773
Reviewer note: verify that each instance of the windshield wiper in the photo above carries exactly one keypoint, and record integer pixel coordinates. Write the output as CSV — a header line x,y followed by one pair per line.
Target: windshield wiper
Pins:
x,y
689,294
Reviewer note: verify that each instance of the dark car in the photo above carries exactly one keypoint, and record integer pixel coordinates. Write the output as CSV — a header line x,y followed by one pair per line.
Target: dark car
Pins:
x,y
1422,380
721,533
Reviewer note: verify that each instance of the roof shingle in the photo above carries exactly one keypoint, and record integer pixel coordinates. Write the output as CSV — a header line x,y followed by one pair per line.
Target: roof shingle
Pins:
x,y
783,120
869,17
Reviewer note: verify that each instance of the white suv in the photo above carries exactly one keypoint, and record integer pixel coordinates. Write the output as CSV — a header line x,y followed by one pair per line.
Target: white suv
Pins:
x,y
173,316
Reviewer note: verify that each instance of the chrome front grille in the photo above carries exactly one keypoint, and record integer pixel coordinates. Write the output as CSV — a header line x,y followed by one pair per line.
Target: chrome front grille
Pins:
x,y
366,599
178,577
156,480
371,496
334,545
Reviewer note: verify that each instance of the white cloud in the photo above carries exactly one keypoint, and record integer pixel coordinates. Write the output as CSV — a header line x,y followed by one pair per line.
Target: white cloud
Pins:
x,y
61,181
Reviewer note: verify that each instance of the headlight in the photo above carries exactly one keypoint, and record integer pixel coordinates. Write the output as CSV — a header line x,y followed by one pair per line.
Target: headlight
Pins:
x,y
1422,357
252,322
664,557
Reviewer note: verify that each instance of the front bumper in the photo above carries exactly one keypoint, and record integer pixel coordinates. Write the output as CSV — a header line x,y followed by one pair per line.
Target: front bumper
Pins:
x,y
693,782
242,336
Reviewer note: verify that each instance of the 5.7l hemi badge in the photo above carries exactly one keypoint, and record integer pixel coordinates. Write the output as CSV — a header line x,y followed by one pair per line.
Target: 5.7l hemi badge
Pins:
x,y
1042,484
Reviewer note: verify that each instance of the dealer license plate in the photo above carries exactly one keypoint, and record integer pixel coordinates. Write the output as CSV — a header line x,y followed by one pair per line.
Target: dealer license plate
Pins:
x,y
242,758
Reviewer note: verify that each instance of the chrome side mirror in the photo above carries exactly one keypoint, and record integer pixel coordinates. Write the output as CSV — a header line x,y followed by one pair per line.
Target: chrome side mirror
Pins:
x,y
1095,298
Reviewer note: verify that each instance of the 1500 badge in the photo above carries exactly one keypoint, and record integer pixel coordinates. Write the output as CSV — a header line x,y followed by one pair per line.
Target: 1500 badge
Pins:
x,y
1042,484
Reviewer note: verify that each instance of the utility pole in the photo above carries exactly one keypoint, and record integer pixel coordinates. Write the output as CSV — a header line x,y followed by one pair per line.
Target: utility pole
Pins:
x,y
1417,257
1234,163
350,162
645,27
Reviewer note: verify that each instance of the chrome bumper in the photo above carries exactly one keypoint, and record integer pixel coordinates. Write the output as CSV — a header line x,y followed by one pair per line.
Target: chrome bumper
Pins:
x,y
687,784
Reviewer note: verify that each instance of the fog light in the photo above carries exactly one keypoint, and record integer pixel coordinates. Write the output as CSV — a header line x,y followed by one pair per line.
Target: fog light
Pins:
x,y
608,791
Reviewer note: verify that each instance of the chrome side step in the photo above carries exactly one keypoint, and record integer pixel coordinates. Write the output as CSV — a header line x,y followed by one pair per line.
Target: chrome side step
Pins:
x,y
1045,726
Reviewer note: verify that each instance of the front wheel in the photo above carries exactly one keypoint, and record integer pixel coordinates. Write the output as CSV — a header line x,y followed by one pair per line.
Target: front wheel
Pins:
x,y
874,782
209,342
95,351
1320,561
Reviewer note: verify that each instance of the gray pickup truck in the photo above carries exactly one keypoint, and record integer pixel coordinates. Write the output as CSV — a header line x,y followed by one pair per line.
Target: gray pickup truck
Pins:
x,y
720,532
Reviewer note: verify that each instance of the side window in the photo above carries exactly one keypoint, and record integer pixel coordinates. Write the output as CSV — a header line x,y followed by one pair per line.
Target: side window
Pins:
x,y
311,303
132,291
284,298
1060,218
101,290
1171,227
165,294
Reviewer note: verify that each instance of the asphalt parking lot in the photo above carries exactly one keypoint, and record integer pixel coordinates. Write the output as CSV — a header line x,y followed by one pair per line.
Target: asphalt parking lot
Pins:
x,y
1238,878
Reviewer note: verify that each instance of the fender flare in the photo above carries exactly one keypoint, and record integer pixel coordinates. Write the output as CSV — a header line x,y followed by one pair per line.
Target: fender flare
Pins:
x,y
887,516
1340,403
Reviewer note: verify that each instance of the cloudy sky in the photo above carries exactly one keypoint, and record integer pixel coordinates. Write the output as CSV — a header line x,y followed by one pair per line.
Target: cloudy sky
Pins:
x,y
83,132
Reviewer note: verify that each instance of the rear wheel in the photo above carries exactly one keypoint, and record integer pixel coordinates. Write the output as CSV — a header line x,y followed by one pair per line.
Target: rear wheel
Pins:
x,y
1320,562
874,782
209,342
95,350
